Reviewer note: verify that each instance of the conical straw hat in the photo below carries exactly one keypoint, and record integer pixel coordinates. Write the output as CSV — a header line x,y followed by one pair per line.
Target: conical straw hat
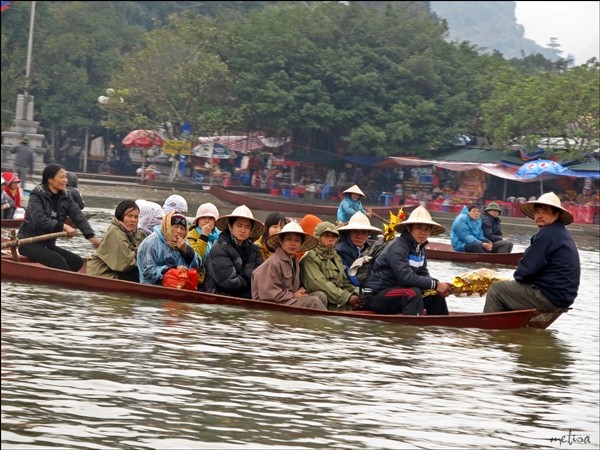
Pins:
x,y
354,190
309,242
420,215
359,221
548,199
243,212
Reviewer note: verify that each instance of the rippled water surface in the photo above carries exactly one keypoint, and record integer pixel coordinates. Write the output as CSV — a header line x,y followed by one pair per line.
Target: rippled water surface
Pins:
x,y
84,370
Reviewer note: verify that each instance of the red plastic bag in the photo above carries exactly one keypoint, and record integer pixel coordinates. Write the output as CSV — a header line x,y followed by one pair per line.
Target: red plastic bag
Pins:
x,y
179,279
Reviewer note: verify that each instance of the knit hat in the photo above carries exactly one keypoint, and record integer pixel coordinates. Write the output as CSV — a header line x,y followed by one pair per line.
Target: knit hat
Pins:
x,y
359,221
309,222
175,203
422,216
309,241
354,190
178,219
548,199
206,210
243,212
493,207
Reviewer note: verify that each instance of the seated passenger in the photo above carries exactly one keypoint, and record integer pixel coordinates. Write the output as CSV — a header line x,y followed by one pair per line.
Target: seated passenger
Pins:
x,y
116,256
400,275
273,224
203,234
278,280
466,234
234,256
166,248
491,226
176,203
322,269
151,215
354,241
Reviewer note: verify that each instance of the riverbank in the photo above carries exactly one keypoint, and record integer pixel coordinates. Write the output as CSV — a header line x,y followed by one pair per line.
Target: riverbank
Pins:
x,y
129,188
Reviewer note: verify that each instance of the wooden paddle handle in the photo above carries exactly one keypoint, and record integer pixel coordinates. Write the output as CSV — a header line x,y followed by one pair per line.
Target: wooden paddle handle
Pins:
x,y
384,220
33,239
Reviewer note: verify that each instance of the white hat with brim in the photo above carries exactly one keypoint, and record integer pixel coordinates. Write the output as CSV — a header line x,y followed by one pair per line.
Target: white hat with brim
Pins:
x,y
242,212
359,221
548,199
354,190
309,241
422,216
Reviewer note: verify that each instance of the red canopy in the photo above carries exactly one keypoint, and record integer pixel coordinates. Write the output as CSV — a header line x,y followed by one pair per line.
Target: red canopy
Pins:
x,y
143,138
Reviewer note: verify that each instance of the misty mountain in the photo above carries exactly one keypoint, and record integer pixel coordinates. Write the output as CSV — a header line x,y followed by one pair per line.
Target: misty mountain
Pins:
x,y
492,26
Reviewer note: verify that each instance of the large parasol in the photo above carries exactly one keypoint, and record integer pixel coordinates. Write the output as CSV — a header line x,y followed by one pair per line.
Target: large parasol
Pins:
x,y
540,168
143,139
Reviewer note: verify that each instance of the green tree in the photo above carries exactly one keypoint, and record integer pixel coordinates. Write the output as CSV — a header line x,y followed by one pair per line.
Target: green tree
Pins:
x,y
175,74
545,106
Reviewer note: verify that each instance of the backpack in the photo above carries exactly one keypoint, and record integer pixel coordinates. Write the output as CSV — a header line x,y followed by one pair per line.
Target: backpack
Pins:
x,y
363,265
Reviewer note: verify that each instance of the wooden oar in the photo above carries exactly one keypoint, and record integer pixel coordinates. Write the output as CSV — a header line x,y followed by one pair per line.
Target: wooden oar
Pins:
x,y
384,220
33,239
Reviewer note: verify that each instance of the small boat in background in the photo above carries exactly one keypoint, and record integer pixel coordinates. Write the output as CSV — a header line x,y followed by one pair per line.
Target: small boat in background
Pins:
x,y
22,270
299,206
445,252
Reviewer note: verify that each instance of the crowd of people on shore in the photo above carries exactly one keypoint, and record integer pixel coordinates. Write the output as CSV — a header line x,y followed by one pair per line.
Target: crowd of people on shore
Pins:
x,y
305,263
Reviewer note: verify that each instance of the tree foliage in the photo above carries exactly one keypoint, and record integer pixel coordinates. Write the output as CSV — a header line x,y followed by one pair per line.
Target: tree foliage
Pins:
x,y
547,105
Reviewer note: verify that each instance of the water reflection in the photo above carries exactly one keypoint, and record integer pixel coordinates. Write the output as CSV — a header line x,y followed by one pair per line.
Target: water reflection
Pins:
x,y
94,370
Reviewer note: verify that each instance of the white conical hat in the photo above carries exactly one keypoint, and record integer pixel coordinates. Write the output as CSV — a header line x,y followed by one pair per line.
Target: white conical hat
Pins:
x,y
309,242
244,212
420,215
359,221
354,190
548,199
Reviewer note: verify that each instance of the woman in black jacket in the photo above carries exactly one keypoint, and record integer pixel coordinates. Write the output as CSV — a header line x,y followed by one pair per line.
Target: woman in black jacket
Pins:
x,y
50,203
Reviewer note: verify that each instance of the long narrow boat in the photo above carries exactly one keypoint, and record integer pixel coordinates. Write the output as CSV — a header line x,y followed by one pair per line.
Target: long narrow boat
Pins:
x,y
445,252
266,202
16,223
25,271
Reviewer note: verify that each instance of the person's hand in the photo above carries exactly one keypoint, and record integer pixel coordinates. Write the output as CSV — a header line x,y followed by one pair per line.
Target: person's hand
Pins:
x,y
181,243
444,289
182,268
487,246
206,230
95,241
300,293
355,302
69,230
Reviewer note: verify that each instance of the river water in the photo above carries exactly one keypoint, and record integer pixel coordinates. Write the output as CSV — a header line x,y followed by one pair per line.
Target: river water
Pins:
x,y
84,370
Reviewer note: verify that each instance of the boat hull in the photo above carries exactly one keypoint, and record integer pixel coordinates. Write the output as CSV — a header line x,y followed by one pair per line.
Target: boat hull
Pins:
x,y
442,251
316,207
25,271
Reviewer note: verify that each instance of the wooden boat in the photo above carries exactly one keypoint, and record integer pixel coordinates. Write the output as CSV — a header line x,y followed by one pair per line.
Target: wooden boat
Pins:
x,y
303,206
445,252
25,271
16,223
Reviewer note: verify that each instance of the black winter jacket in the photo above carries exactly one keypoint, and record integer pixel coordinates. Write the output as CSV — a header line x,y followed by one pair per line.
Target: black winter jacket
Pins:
x,y
491,227
229,266
403,263
42,217
551,263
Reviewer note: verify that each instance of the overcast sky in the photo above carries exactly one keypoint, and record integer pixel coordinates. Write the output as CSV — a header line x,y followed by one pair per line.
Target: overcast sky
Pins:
x,y
574,24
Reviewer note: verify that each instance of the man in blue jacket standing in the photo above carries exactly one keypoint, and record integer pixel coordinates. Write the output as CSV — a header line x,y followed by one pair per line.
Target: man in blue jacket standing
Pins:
x,y
549,273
